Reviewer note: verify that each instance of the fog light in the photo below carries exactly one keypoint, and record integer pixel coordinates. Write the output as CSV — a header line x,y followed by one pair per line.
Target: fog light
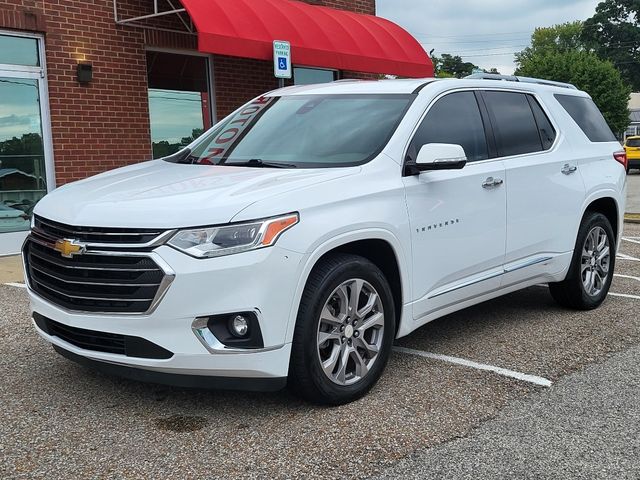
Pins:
x,y
239,326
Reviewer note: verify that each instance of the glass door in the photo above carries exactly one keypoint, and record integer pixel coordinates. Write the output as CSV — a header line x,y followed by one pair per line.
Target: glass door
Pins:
x,y
23,144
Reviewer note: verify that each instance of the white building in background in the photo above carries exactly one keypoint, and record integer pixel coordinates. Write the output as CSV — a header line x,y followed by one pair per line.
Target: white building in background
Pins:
x,y
634,107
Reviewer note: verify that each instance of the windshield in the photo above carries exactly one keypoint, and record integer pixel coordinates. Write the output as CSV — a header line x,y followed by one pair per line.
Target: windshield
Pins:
x,y
633,142
305,131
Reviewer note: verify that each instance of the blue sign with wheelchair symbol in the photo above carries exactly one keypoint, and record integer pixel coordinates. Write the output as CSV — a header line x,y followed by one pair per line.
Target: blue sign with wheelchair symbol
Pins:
x,y
282,61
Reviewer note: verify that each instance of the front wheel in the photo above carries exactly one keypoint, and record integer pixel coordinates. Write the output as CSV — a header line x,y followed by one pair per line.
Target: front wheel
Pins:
x,y
344,331
591,271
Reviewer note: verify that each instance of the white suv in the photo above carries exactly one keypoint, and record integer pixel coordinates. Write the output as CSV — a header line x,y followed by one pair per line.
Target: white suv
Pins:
x,y
301,235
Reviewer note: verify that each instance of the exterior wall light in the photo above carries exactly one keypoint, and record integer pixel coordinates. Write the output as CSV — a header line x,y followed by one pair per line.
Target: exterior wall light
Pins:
x,y
85,73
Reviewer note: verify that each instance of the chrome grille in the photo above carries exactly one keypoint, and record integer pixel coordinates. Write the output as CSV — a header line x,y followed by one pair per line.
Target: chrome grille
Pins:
x,y
98,280
97,235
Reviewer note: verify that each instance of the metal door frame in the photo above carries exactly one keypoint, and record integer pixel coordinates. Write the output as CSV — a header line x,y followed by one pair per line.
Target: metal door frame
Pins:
x,y
10,242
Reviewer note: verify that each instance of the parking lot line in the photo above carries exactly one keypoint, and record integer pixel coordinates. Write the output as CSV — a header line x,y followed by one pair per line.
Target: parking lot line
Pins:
x,y
630,277
631,239
479,366
622,256
625,295
19,285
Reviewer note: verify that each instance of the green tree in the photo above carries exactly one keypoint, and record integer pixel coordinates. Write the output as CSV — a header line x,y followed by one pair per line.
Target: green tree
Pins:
x,y
587,72
562,38
449,66
614,34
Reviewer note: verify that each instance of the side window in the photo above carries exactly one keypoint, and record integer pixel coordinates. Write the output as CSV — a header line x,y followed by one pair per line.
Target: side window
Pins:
x,y
455,119
585,113
514,125
547,132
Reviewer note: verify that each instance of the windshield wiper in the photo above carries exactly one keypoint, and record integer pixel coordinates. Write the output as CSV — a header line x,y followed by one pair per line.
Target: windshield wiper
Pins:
x,y
259,163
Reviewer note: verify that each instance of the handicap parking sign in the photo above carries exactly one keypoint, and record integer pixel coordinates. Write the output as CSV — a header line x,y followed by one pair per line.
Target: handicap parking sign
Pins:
x,y
281,59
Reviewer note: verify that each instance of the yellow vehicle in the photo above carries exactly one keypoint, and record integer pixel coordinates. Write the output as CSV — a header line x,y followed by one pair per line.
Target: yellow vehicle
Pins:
x,y
632,147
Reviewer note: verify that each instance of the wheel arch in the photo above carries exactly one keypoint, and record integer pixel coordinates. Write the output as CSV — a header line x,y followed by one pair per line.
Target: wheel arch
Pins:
x,y
380,247
606,204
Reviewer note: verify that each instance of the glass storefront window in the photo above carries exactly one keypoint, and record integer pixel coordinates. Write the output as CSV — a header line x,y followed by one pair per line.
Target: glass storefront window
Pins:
x,y
22,161
308,76
179,107
19,51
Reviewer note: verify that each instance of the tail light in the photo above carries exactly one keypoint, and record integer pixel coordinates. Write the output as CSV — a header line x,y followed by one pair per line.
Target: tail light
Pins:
x,y
621,157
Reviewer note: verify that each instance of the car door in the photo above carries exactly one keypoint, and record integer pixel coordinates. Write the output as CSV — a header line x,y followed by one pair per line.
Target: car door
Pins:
x,y
457,217
543,186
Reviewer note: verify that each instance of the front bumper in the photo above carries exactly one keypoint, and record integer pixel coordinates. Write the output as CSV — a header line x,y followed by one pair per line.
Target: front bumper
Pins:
x,y
262,281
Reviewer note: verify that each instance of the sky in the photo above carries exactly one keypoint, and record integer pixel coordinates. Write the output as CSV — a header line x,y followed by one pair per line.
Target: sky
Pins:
x,y
483,32
174,114
19,109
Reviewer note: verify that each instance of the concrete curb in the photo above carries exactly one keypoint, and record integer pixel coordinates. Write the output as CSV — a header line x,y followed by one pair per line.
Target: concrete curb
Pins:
x,y
632,218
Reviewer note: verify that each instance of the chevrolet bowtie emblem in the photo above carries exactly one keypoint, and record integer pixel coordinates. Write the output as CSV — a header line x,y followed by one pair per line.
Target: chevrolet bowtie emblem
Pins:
x,y
69,248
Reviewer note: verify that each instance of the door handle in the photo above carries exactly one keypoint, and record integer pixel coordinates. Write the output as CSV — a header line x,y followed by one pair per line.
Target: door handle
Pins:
x,y
492,182
568,169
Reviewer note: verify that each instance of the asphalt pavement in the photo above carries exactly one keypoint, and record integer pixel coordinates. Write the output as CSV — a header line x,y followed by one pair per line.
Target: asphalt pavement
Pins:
x,y
633,192
426,416
585,427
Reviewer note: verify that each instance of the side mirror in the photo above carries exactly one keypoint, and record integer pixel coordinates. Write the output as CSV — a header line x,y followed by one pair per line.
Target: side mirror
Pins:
x,y
439,156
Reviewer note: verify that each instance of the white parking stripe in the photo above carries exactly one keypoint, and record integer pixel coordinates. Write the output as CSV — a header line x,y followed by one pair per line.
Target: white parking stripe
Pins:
x,y
626,276
625,295
19,285
622,256
631,239
479,366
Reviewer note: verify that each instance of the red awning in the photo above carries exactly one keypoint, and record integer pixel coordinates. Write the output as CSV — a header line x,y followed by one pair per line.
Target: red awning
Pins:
x,y
319,36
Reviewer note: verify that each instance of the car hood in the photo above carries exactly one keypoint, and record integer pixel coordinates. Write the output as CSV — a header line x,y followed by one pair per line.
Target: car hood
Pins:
x,y
159,194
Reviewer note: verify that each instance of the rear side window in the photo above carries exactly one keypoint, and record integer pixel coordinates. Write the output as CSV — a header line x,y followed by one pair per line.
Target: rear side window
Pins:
x,y
514,124
547,132
585,113
454,119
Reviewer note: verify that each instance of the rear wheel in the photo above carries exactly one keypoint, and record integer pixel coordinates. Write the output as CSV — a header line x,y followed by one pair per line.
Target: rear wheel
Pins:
x,y
344,331
592,265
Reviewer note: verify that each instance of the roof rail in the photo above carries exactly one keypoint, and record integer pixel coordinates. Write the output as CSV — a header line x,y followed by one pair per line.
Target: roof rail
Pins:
x,y
513,78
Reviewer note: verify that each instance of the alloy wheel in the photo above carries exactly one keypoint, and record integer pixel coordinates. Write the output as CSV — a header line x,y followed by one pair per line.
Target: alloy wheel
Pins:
x,y
350,332
596,261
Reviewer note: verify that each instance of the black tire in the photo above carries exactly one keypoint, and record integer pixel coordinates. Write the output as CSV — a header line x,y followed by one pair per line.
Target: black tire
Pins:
x,y
571,292
306,377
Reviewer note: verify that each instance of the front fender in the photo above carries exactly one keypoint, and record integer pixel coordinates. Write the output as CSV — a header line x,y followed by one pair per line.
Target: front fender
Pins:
x,y
338,240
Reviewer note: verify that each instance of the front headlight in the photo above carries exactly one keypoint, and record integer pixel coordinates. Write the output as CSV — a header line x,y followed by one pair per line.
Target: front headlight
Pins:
x,y
207,242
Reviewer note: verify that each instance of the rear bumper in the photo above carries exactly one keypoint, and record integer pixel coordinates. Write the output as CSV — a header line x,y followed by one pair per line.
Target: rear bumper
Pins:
x,y
177,380
634,162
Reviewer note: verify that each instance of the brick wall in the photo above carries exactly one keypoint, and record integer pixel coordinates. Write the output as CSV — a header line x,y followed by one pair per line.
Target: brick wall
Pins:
x,y
102,125
106,124
359,6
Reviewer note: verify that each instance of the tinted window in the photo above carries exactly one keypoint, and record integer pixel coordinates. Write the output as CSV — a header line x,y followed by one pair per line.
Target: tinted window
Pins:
x,y
547,132
514,125
453,119
633,142
588,117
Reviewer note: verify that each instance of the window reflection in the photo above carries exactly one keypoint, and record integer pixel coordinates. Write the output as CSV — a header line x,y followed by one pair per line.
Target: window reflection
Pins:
x,y
309,76
19,51
178,100
22,167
